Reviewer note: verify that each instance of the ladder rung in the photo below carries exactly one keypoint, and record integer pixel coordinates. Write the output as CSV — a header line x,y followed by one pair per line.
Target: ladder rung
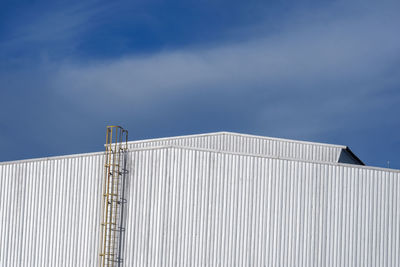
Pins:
x,y
119,174
103,223
114,201
111,164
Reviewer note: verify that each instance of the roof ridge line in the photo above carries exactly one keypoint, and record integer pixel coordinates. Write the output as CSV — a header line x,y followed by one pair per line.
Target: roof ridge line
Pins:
x,y
237,134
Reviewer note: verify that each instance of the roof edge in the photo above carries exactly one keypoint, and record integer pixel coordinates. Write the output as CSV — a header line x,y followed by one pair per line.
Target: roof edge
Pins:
x,y
237,134
363,166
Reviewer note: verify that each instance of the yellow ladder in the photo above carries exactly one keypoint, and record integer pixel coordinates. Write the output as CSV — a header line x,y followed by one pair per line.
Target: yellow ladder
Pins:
x,y
116,147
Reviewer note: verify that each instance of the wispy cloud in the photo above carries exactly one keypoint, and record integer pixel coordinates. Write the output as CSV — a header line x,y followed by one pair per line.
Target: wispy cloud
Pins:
x,y
44,30
307,74
322,74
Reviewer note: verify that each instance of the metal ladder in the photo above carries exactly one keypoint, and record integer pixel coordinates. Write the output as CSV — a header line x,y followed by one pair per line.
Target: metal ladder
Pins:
x,y
116,147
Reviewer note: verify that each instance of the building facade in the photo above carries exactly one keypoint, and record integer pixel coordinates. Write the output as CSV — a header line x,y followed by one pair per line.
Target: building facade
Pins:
x,y
219,199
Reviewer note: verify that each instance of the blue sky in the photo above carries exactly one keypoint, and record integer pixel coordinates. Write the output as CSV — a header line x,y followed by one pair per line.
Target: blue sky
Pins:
x,y
323,71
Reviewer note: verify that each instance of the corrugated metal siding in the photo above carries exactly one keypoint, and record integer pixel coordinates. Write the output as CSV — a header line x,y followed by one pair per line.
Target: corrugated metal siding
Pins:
x,y
49,212
249,144
213,209
188,207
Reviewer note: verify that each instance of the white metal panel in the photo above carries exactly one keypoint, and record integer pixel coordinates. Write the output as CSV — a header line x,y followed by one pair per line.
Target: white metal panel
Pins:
x,y
200,208
250,144
190,207
49,211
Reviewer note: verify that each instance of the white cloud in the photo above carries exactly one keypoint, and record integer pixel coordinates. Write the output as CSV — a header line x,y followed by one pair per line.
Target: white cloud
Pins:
x,y
307,77
312,57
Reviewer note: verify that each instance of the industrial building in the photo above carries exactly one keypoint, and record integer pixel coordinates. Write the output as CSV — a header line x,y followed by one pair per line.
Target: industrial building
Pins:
x,y
217,199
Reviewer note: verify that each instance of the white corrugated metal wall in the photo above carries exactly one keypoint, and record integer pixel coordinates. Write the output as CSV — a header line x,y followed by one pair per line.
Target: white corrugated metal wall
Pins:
x,y
191,207
49,211
201,208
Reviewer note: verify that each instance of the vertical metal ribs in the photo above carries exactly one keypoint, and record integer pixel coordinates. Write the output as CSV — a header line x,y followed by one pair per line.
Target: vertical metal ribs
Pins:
x,y
116,147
